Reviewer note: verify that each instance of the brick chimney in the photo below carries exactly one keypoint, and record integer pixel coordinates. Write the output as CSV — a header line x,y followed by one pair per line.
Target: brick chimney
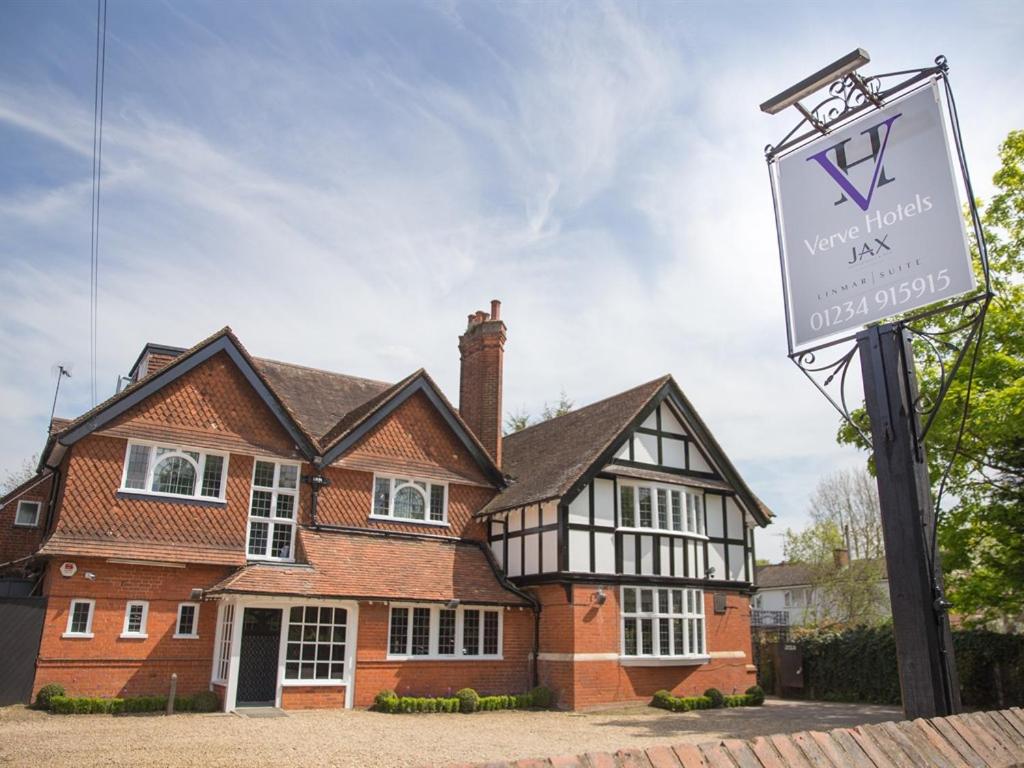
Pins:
x,y
482,351
841,558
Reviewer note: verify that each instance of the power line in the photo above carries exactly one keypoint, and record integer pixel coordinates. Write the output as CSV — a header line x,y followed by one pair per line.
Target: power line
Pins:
x,y
97,173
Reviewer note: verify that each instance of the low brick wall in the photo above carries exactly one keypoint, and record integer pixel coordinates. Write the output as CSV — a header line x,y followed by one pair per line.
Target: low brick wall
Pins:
x,y
977,740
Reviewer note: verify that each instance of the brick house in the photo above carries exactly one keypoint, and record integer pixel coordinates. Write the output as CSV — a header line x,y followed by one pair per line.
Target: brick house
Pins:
x,y
299,538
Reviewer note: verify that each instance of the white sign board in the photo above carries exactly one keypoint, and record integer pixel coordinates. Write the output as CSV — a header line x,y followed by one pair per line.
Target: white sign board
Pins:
x,y
871,223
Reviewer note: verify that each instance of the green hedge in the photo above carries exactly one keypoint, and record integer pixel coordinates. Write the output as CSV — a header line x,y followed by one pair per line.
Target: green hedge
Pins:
x,y
466,700
207,701
859,665
754,697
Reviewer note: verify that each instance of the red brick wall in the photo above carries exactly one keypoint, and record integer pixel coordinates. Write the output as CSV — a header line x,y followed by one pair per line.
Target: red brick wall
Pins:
x,y
584,627
375,673
106,664
312,697
18,541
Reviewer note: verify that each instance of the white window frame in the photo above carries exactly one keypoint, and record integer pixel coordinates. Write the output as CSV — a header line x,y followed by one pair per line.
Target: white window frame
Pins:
x,y
655,616
348,661
271,521
435,628
142,633
195,623
22,504
178,450
689,495
411,480
71,615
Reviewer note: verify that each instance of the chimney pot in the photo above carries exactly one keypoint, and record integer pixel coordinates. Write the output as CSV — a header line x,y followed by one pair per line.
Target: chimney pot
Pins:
x,y
495,309
841,557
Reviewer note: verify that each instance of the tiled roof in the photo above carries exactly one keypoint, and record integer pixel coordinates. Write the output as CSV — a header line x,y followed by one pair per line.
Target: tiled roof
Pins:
x,y
782,575
546,459
133,549
319,399
374,566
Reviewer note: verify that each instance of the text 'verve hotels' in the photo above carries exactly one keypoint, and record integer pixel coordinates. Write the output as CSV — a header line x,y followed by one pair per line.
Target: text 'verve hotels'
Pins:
x,y
871,222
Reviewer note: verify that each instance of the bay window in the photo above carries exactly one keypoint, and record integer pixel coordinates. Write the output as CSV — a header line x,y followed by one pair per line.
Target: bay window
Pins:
x,y
170,470
444,633
273,510
409,500
663,623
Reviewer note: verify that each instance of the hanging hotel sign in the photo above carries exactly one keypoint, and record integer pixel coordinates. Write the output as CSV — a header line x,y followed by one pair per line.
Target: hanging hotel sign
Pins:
x,y
870,222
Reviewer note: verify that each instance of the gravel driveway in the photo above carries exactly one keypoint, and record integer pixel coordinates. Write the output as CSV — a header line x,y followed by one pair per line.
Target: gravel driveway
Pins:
x,y
360,739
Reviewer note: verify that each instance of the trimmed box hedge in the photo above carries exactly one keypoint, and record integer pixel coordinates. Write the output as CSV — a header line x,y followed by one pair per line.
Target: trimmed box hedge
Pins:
x,y
206,701
466,700
754,697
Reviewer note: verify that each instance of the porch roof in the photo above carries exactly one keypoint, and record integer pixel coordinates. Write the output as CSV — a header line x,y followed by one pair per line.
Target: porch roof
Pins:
x,y
372,566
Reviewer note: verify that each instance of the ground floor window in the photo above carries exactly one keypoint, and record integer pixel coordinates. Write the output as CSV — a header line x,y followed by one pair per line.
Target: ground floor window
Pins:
x,y
316,643
135,614
80,618
444,633
662,622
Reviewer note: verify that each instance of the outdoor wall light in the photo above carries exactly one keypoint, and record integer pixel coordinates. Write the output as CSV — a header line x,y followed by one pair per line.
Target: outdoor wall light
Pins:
x,y
710,572
451,605
90,576
851,62
196,594
600,597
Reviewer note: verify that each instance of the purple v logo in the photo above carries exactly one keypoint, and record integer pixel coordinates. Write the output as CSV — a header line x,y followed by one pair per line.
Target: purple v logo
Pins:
x,y
841,173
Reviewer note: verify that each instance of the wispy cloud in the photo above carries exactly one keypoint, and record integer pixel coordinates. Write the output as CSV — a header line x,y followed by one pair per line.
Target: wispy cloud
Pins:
x,y
343,185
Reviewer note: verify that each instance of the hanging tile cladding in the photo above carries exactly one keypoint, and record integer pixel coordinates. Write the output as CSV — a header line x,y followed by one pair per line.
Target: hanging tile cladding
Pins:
x,y
417,432
92,509
364,565
213,405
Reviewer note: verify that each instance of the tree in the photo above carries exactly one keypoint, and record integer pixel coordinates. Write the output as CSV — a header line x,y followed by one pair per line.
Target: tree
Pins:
x,y
849,499
16,477
840,595
980,536
520,418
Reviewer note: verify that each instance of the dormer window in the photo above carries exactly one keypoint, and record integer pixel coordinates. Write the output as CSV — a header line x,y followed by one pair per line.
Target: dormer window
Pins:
x,y
409,500
170,470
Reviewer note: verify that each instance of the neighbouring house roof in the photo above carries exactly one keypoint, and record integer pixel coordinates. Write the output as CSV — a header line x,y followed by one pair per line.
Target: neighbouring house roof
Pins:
x,y
545,460
782,575
798,574
135,549
371,565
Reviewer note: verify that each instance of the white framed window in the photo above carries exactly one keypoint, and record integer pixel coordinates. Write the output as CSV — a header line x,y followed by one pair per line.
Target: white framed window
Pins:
x,y
80,618
436,632
316,644
187,625
409,500
663,622
273,510
660,507
173,470
136,614
27,514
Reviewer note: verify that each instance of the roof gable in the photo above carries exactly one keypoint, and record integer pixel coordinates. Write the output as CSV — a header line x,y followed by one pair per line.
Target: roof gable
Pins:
x,y
361,422
222,341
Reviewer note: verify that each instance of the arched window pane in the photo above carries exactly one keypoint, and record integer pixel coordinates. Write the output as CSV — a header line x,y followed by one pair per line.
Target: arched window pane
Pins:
x,y
174,475
409,504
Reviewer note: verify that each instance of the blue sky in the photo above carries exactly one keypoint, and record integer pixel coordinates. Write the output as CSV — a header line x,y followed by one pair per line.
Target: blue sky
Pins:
x,y
344,183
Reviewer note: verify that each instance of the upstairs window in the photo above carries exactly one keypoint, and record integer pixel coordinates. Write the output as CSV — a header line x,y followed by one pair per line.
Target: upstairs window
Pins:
x,y
660,507
187,626
273,510
405,499
175,471
135,615
80,618
27,514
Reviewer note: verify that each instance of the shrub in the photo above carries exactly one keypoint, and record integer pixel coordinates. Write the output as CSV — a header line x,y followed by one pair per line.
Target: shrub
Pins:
x,y
469,700
385,701
205,701
542,697
666,700
46,693
756,695
717,699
